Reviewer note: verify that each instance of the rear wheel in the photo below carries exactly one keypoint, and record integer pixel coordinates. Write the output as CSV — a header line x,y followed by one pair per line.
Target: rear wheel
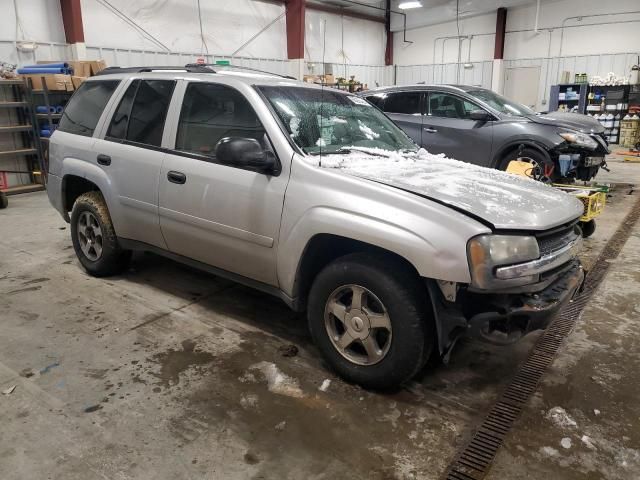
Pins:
x,y
542,168
368,316
94,238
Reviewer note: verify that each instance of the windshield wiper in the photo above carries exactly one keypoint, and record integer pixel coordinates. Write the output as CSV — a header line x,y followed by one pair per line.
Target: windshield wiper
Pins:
x,y
353,149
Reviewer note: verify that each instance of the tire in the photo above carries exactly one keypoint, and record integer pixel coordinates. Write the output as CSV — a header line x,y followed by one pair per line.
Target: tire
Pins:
x,y
4,200
536,157
588,228
389,287
97,248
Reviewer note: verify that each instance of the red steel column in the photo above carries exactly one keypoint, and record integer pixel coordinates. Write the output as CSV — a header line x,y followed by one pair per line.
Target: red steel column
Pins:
x,y
388,52
501,25
295,28
72,20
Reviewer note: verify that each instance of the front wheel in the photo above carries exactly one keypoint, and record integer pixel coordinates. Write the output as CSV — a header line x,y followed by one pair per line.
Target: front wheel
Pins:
x,y
368,316
542,168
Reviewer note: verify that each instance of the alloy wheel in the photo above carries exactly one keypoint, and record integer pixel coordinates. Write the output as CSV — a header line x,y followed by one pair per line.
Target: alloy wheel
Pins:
x,y
90,236
358,324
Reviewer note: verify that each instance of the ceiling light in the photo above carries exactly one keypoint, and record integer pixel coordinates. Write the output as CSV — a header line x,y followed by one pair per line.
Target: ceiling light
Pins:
x,y
406,5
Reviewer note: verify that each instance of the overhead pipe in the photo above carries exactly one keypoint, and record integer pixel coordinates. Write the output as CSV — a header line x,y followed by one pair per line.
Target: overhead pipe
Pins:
x,y
537,17
580,17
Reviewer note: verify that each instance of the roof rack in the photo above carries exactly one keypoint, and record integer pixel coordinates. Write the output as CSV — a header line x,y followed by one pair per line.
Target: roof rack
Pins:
x,y
192,68
249,69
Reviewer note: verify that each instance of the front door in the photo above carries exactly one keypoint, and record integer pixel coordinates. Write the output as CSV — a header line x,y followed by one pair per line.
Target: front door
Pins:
x,y
130,153
405,109
221,215
448,129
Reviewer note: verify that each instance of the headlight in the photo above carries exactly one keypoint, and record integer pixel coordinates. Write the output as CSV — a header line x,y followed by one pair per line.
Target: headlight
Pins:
x,y
578,138
486,252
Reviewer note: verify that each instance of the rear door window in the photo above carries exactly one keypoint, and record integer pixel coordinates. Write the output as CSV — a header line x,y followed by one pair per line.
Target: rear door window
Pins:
x,y
403,102
141,115
211,112
83,111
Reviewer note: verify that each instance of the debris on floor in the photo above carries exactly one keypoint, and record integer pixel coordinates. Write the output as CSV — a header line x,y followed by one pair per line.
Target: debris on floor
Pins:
x,y
9,390
278,382
48,368
281,425
288,350
566,442
325,385
561,418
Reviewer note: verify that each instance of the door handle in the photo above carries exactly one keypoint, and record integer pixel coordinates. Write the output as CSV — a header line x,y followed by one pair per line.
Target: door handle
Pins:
x,y
431,130
104,159
176,177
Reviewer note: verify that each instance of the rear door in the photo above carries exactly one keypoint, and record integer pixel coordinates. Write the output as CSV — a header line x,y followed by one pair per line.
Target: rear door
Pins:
x,y
131,154
448,129
218,214
405,109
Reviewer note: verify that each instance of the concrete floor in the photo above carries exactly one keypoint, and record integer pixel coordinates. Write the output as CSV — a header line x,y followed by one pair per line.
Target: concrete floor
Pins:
x,y
165,372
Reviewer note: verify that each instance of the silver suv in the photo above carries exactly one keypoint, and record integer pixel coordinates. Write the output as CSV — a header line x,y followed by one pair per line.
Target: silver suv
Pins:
x,y
315,196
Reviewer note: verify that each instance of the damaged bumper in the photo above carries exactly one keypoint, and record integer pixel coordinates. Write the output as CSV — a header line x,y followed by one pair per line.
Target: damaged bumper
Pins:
x,y
504,318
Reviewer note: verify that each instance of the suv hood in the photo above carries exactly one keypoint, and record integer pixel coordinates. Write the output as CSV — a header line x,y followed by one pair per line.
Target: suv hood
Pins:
x,y
573,121
501,199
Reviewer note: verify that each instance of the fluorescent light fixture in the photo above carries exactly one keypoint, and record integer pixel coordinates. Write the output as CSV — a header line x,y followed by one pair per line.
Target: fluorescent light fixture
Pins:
x,y
406,5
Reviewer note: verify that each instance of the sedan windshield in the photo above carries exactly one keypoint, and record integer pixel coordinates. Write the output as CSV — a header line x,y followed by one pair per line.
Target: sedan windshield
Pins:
x,y
500,103
327,121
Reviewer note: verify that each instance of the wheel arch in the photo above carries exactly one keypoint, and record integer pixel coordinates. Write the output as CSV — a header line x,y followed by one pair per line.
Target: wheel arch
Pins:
x,y
322,249
514,145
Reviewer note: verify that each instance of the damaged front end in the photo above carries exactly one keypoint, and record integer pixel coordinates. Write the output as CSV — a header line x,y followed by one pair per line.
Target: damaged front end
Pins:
x,y
506,300
580,156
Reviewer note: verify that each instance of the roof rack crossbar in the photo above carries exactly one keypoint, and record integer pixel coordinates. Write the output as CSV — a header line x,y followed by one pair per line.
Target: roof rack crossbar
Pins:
x,y
249,69
187,68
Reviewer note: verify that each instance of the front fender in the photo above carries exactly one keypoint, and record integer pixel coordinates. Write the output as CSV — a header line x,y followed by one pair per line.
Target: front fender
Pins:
x,y
428,259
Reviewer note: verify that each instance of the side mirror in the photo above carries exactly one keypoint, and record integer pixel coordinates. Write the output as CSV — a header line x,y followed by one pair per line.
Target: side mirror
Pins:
x,y
480,115
245,153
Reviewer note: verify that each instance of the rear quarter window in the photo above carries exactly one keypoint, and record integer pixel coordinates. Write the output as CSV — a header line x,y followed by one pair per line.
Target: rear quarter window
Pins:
x,y
83,111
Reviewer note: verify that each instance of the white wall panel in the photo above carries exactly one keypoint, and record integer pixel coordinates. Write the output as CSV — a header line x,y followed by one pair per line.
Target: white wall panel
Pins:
x,y
347,40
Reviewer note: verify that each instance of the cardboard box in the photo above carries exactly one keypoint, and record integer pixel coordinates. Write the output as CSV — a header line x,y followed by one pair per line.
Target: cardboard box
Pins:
x,y
97,66
81,68
328,79
77,81
57,82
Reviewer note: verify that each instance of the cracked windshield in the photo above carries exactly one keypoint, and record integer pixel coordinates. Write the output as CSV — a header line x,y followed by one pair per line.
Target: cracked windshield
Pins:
x,y
325,122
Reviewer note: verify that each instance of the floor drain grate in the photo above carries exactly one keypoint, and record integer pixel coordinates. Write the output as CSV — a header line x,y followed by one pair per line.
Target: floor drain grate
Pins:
x,y
475,459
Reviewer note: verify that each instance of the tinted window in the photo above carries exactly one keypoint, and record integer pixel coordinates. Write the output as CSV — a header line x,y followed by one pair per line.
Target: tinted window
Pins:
x,y
449,106
149,111
377,100
212,112
83,111
120,120
403,102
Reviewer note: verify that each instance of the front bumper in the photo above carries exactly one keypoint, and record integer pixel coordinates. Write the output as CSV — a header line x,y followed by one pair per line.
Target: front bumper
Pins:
x,y
504,318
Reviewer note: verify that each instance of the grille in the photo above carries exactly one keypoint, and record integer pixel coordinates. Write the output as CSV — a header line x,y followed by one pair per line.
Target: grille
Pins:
x,y
551,241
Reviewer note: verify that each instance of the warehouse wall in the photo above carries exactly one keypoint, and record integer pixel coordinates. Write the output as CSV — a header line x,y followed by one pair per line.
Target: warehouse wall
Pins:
x,y
600,39
227,25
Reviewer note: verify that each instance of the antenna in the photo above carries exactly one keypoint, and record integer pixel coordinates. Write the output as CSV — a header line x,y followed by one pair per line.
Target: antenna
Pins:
x,y
324,48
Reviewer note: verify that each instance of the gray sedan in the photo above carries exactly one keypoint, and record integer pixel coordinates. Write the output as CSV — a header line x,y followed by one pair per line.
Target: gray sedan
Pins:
x,y
479,126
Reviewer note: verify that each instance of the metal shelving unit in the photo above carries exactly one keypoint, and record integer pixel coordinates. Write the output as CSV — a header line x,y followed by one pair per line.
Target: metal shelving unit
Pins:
x,y
18,138
47,98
